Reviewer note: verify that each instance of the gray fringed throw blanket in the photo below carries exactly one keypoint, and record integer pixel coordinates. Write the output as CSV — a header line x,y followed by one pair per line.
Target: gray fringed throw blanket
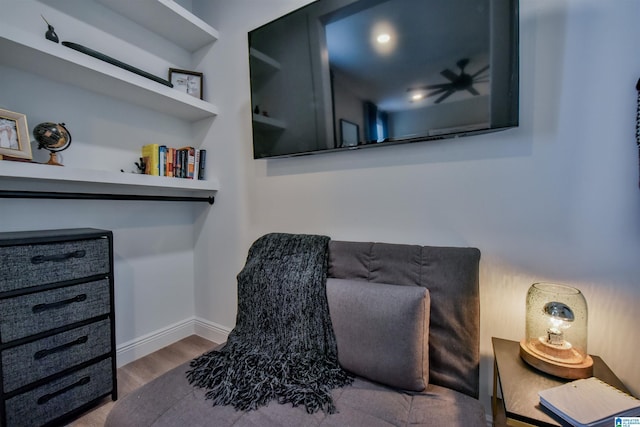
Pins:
x,y
282,346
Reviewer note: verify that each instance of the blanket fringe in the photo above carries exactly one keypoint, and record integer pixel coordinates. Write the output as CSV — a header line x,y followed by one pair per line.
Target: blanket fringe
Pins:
x,y
247,379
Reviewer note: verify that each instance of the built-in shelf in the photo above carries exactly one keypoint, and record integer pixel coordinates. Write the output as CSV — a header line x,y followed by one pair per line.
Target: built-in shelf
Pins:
x,y
168,19
24,49
268,123
66,179
34,54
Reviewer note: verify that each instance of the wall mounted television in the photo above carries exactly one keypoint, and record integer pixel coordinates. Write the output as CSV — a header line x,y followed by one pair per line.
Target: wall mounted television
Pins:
x,y
348,74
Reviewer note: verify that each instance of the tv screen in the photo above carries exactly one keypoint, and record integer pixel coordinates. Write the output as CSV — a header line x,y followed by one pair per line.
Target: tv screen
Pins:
x,y
349,74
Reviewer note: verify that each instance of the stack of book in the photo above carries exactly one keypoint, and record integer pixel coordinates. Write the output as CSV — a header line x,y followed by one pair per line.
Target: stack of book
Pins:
x,y
589,403
185,162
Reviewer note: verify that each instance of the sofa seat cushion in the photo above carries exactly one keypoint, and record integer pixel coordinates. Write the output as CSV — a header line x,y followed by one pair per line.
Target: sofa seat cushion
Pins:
x,y
170,401
382,331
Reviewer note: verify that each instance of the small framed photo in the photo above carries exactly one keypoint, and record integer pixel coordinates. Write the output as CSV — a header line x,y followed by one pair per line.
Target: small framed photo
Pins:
x,y
189,82
349,133
14,135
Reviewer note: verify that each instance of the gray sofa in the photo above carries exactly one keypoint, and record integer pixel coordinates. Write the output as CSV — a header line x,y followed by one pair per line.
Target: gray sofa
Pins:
x,y
406,320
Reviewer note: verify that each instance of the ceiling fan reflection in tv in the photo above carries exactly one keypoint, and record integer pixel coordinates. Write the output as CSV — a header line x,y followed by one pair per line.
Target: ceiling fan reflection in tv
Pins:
x,y
457,82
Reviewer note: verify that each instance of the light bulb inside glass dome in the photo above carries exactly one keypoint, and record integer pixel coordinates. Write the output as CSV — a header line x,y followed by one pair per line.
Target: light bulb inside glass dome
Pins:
x,y
560,318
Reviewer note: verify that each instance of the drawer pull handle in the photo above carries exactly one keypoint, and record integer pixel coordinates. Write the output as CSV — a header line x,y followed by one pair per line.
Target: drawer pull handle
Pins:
x,y
39,308
39,259
47,397
44,353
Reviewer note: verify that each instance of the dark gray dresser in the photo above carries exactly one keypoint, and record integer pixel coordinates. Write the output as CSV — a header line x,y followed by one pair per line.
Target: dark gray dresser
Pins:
x,y
57,335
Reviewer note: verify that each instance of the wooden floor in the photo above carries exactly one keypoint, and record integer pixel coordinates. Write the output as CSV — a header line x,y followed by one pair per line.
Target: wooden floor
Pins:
x,y
143,370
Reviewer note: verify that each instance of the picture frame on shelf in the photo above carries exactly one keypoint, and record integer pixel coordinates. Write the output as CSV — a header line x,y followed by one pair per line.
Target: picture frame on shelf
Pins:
x,y
349,133
189,82
14,135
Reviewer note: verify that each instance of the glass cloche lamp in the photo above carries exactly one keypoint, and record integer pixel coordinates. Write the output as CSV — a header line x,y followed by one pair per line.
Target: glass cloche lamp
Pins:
x,y
556,331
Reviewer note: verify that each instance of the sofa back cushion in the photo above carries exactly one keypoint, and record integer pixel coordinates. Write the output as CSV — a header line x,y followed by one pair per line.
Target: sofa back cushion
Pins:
x,y
451,276
382,331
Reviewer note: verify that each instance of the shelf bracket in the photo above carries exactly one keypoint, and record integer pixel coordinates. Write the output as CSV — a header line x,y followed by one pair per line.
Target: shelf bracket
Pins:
x,y
99,196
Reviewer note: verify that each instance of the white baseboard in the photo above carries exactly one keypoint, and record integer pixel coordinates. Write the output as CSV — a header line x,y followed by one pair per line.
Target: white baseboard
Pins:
x,y
210,330
154,341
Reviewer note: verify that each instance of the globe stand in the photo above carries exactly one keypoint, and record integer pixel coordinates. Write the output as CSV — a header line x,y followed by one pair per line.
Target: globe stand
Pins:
x,y
53,160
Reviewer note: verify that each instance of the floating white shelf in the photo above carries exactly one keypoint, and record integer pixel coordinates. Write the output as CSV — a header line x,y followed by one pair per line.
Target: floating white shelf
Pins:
x,y
25,51
66,179
168,19
32,53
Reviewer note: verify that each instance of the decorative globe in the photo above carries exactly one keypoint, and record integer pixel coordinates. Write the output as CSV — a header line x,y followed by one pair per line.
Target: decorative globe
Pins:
x,y
52,137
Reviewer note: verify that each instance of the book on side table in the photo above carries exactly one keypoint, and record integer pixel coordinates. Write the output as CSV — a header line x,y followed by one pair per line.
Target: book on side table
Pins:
x,y
589,403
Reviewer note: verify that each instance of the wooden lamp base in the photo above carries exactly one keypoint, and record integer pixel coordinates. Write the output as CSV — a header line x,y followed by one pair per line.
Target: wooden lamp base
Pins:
x,y
566,364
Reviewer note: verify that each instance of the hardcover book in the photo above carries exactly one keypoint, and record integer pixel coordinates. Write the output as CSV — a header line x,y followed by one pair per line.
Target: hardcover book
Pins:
x,y
202,163
151,156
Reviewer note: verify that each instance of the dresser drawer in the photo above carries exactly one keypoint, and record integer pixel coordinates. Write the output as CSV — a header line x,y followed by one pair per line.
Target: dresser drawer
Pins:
x,y
30,314
53,354
24,266
50,401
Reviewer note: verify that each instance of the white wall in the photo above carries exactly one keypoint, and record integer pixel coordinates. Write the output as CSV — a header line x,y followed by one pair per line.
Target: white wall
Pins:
x,y
555,199
153,257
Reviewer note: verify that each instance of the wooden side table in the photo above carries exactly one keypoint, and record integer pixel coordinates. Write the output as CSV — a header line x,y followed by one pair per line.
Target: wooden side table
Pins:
x,y
520,384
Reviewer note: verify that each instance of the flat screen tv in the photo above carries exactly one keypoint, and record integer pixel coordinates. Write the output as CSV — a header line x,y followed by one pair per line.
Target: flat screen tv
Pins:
x,y
349,74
